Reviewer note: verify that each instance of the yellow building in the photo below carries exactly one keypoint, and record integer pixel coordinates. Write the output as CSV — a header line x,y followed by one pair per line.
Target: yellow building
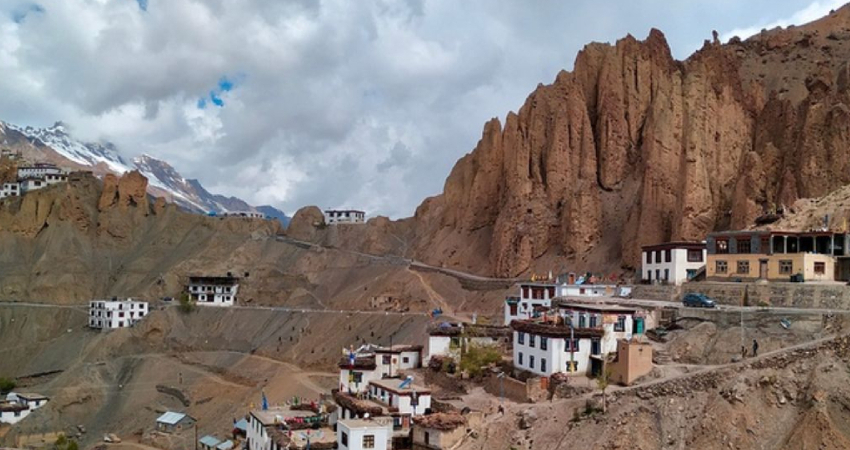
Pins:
x,y
777,256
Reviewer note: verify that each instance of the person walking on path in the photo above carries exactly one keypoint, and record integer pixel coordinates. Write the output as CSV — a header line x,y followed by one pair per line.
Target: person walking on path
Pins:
x,y
755,348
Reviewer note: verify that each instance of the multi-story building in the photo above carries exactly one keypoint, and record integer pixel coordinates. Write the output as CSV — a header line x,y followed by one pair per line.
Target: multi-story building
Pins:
x,y
672,262
371,362
532,295
359,434
336,216
213,291
112,314
39,170
778,255
572,338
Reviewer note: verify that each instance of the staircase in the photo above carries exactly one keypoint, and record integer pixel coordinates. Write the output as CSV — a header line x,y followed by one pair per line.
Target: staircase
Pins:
x,y
661,357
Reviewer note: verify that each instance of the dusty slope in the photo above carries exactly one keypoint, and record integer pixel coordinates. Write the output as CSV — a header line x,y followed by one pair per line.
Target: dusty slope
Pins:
x,y
633,147
793,402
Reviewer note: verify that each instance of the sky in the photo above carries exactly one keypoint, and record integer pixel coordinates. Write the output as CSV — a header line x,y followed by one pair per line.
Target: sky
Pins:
x,y
334,103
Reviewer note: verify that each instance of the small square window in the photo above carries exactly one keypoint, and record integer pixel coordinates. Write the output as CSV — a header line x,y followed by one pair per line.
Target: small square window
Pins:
x,y
786,267
743,267
820,268
721,267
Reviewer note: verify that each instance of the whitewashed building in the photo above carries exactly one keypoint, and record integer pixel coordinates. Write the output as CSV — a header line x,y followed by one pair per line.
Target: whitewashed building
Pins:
x,y
213,291
532,295
17,406
10,190
587,290
39,170
673,262
371,362
547,345
336,216
112,314
359,434
403,396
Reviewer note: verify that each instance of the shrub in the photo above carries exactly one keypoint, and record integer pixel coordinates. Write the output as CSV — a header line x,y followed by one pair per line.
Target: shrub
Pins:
x,y
478,357
6,385
186,305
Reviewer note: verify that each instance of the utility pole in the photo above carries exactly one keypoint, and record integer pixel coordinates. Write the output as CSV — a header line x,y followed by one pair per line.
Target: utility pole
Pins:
x,y
572,347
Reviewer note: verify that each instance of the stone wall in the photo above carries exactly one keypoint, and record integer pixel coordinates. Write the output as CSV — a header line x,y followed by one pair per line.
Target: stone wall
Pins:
x,y
798,295
530,391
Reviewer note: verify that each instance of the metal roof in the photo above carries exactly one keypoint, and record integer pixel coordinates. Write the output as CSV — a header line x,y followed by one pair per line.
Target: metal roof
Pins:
x,y
171,418
209,441
241,425
226,445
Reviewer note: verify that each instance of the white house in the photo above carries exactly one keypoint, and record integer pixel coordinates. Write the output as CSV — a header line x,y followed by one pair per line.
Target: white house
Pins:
x,y
532,295
372,362
587,290
403,395
12,413
448,339
39,170
269,429
111,314
335,216
213,291
174,422
10,190
356,373
673,262
18,406
359,434
548,345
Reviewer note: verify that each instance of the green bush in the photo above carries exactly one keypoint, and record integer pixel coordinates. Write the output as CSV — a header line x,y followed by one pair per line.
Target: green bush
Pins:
x,y
478,357
6,385
186,305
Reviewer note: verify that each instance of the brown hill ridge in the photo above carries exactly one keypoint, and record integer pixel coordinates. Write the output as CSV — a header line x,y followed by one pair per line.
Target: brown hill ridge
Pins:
x,y
633,147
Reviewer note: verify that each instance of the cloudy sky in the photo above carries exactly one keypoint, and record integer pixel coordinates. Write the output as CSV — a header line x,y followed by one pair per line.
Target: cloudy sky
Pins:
x,y
337,103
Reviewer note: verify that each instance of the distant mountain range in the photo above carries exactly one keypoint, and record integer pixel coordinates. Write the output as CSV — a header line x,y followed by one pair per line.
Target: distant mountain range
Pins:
x,y
56,145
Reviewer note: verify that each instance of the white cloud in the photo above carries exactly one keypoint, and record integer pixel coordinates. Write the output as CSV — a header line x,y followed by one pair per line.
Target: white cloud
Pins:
x,y
810,12
336,103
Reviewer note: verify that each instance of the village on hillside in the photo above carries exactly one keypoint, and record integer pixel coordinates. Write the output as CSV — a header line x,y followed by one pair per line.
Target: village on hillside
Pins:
x,y
570,335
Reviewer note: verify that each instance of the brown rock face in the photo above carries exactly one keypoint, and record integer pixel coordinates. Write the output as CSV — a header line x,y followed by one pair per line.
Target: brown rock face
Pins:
x,y
129,190
634,148
305,223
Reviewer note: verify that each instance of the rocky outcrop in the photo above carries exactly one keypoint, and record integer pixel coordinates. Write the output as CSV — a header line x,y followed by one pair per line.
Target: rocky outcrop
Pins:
x,y
633,148
306,223
128,191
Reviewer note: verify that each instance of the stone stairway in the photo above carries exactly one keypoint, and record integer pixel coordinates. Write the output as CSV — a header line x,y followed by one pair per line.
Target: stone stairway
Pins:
x,y
661,357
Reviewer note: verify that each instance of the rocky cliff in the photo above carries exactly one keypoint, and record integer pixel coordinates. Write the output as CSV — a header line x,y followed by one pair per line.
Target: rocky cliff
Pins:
x,y
633,147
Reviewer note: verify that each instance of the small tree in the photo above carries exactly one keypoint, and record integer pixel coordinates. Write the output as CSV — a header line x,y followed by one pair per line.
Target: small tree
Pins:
x,y
6,385
477,357
63,443
602,382
186,305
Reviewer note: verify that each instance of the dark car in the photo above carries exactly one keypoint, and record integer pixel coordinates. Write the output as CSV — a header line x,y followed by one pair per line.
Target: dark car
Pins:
x,y
698,300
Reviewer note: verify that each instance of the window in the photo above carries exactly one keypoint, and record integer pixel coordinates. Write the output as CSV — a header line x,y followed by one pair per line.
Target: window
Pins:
x,y
594,321
345,438
582,320
369,441
542,364
668,254
621,324
531,340
721,266
657,274
455,342
405,360
786,266
427,438
744,246
595,346
356,377
765,245
649,275
544,343
722,246
743,267
666,274
657,256
648,256
530,361
519,359
520,338
385,359
820,268
571,347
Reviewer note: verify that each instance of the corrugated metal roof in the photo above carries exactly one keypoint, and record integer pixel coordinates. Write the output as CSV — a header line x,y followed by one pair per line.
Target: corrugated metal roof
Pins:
x,y
241,425
171,418
209,441
226,445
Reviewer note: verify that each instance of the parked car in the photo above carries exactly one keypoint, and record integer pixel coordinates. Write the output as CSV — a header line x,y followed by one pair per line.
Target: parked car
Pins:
x,y
698,300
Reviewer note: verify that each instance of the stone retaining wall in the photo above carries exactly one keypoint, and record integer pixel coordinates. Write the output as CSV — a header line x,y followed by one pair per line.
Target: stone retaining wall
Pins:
x,y
797,295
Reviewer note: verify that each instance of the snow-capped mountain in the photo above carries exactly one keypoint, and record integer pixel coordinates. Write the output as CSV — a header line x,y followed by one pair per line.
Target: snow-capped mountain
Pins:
x,y
163,180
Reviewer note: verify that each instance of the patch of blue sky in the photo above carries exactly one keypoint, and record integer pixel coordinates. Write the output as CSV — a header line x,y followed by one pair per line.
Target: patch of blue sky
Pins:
x,y
143,4
20,14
